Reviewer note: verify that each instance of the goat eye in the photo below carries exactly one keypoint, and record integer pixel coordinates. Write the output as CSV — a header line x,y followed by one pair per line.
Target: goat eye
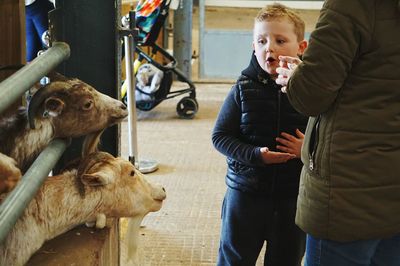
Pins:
x,y
88,105
132,173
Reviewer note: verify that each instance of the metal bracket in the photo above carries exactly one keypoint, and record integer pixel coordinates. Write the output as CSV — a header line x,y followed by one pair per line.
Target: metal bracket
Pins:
x,y
129,26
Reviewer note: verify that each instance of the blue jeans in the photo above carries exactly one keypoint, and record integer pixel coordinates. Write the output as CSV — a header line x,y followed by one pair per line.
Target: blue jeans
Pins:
x,y
374,252
249,220
36,23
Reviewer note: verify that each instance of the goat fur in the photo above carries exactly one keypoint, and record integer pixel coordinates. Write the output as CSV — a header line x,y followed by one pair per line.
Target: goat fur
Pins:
x,y
9,173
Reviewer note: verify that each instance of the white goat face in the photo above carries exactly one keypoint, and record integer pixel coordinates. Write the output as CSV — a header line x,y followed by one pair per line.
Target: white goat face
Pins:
x,y
125,191
77,109
144,194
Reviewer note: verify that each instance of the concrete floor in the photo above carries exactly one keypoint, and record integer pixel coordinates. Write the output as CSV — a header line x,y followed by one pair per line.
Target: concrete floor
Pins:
x,y
186,230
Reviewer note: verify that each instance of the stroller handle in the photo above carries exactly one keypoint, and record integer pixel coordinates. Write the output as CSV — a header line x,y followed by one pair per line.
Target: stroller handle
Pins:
x,y
170,66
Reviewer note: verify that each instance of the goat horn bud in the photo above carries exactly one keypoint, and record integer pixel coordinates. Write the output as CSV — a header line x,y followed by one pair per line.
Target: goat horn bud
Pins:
x,y
36,100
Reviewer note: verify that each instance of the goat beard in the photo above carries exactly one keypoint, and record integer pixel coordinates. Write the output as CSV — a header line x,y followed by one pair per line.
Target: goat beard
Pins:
x,y
133,238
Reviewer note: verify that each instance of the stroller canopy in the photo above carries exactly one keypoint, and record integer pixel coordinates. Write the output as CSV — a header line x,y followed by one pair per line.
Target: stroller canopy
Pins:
x,y
147,12
145,7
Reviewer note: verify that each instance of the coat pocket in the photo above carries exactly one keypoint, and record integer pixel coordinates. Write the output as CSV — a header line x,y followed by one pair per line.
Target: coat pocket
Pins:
x,y
311,143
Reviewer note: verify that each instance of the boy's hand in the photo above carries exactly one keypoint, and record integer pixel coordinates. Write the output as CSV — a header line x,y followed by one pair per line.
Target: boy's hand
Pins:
x,y
291,144
272,157
287,66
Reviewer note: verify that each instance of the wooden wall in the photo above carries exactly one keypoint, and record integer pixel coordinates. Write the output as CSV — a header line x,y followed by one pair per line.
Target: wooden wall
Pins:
x,y
12,37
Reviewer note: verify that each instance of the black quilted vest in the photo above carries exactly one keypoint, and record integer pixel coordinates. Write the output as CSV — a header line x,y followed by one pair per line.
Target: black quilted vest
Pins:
x,y
266,112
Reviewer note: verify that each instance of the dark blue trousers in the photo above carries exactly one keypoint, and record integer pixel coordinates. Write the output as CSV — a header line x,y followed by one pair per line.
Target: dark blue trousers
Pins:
x,y
249,220
371,252
36,23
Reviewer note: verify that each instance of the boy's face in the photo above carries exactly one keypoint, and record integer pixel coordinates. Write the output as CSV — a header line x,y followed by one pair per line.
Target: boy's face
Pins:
x,y
274,38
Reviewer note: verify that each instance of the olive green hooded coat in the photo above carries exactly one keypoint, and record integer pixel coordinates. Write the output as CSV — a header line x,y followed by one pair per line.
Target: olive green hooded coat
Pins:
x,y
349,83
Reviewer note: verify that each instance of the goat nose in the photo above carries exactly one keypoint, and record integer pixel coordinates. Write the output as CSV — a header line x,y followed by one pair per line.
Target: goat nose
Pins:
x,y
123,106
163,189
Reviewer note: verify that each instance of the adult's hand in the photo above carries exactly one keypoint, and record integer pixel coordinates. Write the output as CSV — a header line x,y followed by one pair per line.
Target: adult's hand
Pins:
x,y
291,144
287,65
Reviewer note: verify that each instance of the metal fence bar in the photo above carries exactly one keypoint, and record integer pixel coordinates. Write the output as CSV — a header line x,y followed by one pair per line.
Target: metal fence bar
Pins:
x,y
14,86
19,198
202,28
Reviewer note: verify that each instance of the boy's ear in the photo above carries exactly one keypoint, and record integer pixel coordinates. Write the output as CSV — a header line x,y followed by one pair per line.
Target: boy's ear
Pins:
x,y
252,46
302,47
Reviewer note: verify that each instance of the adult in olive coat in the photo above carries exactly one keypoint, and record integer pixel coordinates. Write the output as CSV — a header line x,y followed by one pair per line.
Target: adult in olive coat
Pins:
x,y
349,82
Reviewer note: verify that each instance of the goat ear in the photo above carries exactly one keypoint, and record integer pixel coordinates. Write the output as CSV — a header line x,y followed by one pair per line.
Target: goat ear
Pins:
x,y
103,176
53,106
95,179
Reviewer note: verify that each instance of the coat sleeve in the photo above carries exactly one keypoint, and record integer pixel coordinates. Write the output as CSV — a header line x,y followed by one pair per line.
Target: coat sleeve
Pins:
x,y
342,32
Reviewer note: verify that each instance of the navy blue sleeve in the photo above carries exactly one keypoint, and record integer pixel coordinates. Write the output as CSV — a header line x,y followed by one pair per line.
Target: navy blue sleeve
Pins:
x,y
226,133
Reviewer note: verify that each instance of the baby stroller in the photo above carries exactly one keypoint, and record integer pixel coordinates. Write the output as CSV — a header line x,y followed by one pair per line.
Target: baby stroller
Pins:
x,y
154,79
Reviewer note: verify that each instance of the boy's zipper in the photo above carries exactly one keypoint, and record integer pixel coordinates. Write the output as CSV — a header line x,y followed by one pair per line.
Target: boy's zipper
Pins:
x,y
278,123
278,128
315,145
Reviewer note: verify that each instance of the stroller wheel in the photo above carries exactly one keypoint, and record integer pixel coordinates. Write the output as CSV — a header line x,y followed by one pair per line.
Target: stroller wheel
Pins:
x,y
187,107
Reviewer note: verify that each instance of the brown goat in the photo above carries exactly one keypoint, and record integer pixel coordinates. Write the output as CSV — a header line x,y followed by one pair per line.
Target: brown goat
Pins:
x,y
102,185
9,173
63,108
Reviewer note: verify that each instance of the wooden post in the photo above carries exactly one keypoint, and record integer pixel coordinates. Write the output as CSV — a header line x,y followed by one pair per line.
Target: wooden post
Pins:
x,y
12,38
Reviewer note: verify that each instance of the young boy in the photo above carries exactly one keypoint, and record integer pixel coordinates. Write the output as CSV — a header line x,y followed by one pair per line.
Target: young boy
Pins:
x,y
260,133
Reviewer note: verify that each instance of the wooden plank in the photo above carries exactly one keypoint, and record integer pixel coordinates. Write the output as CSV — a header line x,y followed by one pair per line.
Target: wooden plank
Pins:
x,y
80,246
12,38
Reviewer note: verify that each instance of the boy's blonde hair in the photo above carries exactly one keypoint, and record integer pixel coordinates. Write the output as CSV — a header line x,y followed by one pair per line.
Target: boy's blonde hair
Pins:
x,y
277,11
